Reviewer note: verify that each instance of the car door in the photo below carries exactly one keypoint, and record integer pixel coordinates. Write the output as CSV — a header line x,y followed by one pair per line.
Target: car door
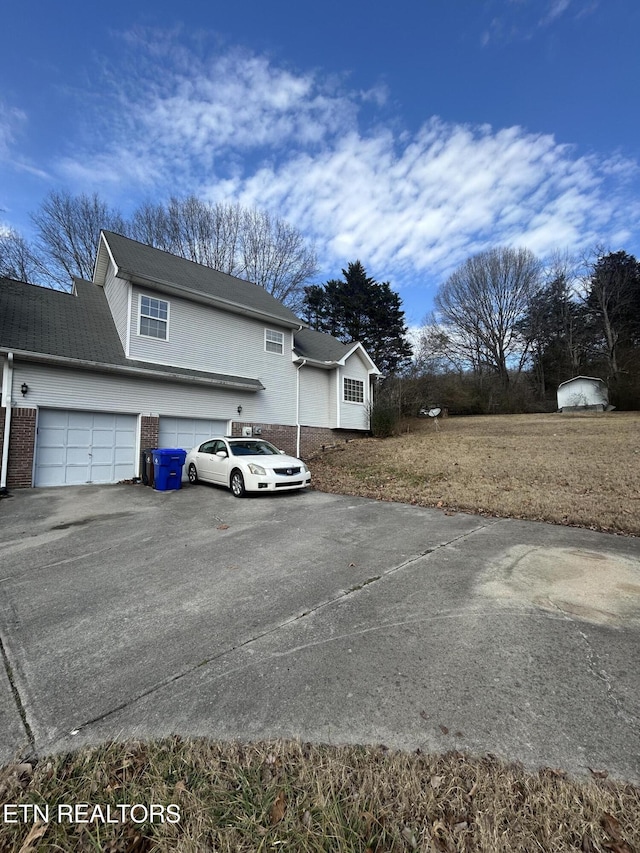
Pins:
x,y
219,466
204,461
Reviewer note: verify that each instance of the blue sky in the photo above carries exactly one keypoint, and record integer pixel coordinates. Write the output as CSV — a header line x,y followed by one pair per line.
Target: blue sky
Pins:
x,y
408,135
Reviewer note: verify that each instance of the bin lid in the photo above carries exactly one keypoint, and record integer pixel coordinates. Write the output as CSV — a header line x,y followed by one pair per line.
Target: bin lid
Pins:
x,y
166,452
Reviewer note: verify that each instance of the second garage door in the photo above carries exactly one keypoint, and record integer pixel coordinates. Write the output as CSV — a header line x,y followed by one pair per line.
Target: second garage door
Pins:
x,y
187,432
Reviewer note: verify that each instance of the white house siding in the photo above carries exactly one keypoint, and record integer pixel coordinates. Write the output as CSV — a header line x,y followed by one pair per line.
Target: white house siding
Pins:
x,y
316,397
354,415
117,292
204,338
53,387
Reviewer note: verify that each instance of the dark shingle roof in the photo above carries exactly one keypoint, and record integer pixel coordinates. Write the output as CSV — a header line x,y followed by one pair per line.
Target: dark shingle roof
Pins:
x,y
76,326
137,260
319,346
36,319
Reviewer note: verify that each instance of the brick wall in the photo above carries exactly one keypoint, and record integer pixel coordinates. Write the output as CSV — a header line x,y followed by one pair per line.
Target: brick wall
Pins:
x,y
22,442
149,431
312,439
284,437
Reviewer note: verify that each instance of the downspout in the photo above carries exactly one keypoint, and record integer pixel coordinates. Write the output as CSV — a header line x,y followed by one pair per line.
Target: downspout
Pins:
x,y
304,361
7,402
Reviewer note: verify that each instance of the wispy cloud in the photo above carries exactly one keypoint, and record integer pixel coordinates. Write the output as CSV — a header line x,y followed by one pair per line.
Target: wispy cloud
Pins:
x,y
523,19
410,205
12,122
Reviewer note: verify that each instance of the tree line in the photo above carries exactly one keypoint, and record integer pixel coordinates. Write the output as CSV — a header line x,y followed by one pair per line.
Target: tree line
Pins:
x,y
506,331
245,242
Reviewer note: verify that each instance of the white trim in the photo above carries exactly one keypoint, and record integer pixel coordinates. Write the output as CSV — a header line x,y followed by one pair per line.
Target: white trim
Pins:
x,y
129,312
344,397
268,331
140,334
7,389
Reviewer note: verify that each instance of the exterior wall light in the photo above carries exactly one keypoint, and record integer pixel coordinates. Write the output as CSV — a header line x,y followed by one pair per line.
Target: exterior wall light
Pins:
x,y
24,388
239,410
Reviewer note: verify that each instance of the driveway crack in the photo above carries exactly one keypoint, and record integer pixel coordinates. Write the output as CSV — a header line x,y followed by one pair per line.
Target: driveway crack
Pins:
x,y
15,692
595,668
285,623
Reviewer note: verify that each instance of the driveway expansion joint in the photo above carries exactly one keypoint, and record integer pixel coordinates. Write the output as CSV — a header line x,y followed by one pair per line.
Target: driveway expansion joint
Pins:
x,y
15,692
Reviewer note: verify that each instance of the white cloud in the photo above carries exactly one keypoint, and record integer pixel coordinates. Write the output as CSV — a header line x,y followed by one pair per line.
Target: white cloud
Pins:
x,y
12,122
411,206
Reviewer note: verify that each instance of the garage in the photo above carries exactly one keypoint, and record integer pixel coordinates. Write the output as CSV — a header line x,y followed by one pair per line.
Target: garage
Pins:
x,y
84,447
187,432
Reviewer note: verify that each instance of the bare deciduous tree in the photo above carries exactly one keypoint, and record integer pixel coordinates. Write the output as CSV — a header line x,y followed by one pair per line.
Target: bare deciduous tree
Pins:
x,y
17,259
67,232
248,243
480,305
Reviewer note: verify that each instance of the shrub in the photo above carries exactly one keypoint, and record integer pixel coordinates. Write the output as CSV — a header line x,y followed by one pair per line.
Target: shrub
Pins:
x,y
384,420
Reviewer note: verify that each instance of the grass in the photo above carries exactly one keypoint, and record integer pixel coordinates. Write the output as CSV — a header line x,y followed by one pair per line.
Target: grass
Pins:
x,y
581,470
290,796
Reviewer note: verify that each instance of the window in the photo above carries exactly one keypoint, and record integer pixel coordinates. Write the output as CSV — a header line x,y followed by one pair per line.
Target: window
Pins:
x,y
353,390
154,317
273,341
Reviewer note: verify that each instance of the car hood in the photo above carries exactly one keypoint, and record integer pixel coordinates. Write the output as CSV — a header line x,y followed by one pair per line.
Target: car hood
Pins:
x,y
281,461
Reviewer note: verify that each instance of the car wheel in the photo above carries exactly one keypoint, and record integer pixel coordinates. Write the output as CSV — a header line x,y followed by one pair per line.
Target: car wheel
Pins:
x,y
193,474
237,484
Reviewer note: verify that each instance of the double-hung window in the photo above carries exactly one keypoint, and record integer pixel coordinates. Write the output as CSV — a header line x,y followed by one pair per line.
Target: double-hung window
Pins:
x,y
273,341
154,318
353,390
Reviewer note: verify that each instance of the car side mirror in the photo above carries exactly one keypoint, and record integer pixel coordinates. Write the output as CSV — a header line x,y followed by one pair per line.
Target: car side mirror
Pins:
x,y
281,451
222,454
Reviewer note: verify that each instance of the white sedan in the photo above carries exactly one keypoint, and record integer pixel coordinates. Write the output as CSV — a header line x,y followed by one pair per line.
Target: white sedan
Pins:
x,y
245,465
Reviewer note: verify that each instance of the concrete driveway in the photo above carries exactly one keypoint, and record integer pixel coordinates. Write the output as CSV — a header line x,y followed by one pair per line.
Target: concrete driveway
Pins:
x,y
128,612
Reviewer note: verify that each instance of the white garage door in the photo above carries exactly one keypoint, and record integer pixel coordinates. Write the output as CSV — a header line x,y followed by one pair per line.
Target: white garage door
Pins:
x,y
84,447
187,432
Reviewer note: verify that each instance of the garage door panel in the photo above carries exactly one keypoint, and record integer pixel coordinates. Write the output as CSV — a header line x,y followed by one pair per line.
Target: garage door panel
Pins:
x,y
103,437
77,456
101,456
79,437
80,420
52,455
55,419
84,447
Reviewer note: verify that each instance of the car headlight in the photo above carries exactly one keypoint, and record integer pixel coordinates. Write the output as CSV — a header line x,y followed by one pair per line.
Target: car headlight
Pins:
x,y
305,470
257,469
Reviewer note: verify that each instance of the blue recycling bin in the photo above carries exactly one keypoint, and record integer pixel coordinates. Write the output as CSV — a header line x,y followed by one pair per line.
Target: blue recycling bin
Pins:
x,y
167,468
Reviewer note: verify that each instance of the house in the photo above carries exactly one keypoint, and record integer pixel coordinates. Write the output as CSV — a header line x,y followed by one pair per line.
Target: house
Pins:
x,y
158,351
583,393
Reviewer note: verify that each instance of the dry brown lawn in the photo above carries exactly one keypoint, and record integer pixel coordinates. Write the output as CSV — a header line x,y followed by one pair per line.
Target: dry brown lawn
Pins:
x,y
291,796
581,470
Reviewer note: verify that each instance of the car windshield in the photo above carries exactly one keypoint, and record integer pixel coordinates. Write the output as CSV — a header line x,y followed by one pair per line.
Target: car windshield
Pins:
x,y
253,448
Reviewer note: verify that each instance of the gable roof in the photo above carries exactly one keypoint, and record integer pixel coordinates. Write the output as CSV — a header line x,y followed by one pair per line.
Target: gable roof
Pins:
x,y
78,329
145,265
318,346
589,378
326,351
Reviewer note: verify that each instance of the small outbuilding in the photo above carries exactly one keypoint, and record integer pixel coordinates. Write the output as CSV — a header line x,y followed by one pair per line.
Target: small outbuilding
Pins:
x,y
583,393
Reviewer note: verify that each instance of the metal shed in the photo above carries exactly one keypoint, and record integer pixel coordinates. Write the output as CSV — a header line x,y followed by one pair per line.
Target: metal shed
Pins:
x,y
583,393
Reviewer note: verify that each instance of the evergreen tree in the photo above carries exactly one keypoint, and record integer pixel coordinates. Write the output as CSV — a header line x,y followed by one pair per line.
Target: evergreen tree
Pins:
x,y
358,308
